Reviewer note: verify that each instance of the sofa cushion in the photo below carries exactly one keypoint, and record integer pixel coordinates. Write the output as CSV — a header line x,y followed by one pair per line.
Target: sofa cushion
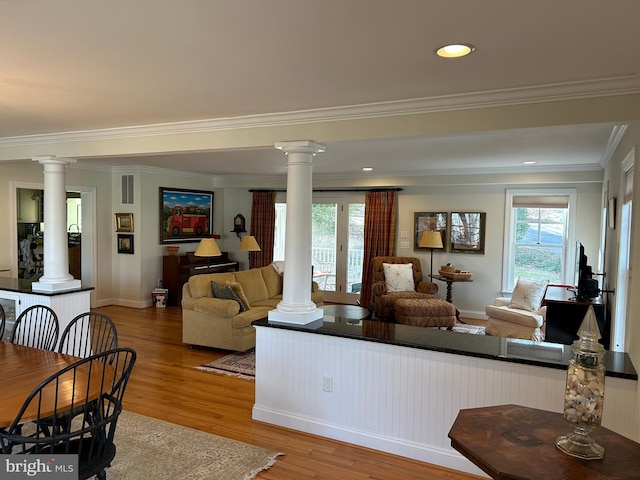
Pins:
x,y
217,307
521,317
226,292
237,289
245,319
253,284
528,294
399,277
200,285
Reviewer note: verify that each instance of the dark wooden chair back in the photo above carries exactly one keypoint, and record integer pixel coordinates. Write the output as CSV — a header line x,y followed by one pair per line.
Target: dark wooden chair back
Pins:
x,y
87,334
36,327
92,389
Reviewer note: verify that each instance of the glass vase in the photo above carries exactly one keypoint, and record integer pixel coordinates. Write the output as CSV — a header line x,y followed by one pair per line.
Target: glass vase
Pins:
x,y
584,392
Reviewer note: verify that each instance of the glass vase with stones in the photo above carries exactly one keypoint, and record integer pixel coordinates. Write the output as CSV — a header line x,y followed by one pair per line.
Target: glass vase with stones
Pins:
x,y
584,392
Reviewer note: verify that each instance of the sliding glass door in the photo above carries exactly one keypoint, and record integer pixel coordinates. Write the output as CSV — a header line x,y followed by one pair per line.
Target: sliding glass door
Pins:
x,y
337,245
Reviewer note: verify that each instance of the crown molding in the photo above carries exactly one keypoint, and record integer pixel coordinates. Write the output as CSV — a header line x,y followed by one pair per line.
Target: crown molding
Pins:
x,y
623,85
617,134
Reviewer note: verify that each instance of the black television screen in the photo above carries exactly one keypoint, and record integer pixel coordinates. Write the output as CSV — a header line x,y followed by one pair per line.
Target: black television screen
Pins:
x,y
578,272
582,275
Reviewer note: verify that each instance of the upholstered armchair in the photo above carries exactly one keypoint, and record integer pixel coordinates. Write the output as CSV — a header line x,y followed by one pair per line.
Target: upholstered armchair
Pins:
x,y
520,316
383,299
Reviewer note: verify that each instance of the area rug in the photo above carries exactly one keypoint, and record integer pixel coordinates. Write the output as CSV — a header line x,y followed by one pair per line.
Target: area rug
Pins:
x,y
154,449
468,328
239,364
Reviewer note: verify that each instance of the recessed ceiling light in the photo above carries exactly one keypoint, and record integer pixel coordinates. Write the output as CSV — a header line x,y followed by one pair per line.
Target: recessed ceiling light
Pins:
x,y
367,169
455,50
529,162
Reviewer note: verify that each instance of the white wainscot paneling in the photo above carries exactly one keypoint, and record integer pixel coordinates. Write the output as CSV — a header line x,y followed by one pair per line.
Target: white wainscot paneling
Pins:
x,y
67,305
398,399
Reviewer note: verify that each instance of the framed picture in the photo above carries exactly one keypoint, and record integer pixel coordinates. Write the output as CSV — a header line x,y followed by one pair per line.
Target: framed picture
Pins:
x,y
611,213
124,222
429,222
125,243
467,232
185,215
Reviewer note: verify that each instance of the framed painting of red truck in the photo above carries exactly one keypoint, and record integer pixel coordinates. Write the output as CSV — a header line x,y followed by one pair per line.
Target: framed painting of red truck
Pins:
x,y
185,215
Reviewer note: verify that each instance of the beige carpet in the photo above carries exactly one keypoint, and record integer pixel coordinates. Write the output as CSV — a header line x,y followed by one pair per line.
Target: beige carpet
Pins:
x,y
152,449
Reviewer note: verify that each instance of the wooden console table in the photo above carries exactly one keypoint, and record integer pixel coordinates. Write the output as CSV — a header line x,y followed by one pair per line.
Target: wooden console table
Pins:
x,y
176,270
519,443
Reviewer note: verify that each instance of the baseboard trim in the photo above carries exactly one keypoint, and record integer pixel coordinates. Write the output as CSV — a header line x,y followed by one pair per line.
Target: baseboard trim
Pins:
x,y
396,446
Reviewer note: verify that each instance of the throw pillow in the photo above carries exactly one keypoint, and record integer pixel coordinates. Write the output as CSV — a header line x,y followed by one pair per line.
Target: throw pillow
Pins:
x,y
528,294
226,292
237,289
399,277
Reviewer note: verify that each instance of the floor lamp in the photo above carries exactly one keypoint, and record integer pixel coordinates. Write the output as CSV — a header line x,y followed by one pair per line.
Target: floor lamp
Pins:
x,y
249,244
432,240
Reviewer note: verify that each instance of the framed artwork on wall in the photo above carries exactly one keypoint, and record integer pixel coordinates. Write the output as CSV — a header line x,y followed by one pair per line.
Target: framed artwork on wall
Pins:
x,y
611,213
125,243
467,232
185,215
430,222
124,222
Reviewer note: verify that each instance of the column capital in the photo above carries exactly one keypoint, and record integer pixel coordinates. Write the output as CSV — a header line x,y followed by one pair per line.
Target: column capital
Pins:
x,y
300,146
53,159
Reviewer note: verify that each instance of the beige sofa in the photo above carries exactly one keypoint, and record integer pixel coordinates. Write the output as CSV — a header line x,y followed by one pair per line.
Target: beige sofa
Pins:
x,y
217,322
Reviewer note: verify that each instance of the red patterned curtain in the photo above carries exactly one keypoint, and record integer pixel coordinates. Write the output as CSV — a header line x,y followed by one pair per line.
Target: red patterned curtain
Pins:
x,y
263,221
379,235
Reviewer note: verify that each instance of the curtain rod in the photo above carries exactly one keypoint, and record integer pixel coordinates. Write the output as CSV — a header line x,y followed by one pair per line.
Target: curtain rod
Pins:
x,y
395,189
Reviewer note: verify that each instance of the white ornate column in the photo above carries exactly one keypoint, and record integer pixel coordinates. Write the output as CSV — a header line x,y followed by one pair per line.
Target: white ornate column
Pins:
x,y
296,306
56,275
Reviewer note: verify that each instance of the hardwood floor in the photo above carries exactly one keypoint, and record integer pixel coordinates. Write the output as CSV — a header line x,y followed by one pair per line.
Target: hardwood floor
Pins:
x,y
165,385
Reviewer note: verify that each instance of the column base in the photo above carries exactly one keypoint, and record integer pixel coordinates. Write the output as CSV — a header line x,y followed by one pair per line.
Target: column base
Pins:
x,y
313,319
51,287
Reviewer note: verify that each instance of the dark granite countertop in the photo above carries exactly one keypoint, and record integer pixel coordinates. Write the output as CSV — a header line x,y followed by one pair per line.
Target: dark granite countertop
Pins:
x,y
23,285
542,354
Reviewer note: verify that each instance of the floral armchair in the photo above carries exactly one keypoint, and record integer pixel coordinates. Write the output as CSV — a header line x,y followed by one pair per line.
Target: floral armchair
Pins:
x,y
383,299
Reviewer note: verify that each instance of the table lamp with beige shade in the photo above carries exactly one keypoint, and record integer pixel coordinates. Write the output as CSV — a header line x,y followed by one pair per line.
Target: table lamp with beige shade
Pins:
x,y
207,248
431,239
249,244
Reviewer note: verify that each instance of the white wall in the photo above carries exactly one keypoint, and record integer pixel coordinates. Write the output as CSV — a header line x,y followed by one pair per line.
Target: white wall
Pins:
x,y
612,179
135,276
128,279
236,201
470,298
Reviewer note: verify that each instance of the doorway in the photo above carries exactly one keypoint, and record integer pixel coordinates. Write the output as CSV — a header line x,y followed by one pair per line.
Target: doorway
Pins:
x,y
84,204
620,341
337,245
30,232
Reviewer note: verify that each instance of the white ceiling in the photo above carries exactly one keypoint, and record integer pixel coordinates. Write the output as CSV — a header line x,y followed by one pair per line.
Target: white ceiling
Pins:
x,y
76,65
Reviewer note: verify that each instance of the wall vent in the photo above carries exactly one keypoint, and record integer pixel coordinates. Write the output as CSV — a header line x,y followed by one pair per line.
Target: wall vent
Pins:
x,y
127,189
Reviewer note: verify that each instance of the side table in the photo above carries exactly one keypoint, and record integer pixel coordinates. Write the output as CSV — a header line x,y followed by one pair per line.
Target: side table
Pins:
x,y
450,281
511,442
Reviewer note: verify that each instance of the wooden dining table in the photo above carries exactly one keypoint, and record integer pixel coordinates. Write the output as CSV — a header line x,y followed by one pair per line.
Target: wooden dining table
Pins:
x,y
24,368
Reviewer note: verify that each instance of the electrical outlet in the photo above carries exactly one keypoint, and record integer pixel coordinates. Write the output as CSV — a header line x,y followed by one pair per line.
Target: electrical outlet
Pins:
x,y
327,383
159,282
